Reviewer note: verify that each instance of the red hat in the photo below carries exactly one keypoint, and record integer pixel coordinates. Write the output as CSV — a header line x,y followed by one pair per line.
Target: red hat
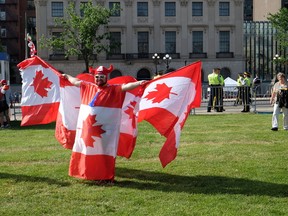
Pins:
x,y
101,70
3,82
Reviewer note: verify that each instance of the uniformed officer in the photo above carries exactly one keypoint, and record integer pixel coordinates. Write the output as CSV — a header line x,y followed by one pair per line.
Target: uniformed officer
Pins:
x,y
246,94
216,83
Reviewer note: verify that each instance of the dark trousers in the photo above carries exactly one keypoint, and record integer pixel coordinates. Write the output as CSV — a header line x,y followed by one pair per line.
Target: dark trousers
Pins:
x,y
215,98
246,97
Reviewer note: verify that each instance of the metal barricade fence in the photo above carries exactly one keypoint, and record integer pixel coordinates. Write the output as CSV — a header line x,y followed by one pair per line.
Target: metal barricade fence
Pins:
x,y
255,96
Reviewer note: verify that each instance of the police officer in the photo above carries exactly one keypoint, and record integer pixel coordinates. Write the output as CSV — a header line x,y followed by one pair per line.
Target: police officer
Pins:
x,y
246,94
216,83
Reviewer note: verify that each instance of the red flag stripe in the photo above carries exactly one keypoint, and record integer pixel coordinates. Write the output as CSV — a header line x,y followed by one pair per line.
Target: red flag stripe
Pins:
x,y
92,167
39,114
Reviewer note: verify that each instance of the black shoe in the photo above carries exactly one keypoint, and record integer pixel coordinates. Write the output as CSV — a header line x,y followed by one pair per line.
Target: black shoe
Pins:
x,y
208,110
274,129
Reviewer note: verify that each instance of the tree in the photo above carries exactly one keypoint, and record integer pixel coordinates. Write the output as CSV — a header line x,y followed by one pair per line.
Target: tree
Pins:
x,y
83,34
280,23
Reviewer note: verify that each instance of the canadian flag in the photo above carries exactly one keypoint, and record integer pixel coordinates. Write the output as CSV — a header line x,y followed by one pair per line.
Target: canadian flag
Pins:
x,y
40,92
166,104
70,102
97,133
69,110
66,122
128,127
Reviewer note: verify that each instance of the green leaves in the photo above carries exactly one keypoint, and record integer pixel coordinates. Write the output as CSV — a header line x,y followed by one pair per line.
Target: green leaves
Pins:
x,y
83,32
280,23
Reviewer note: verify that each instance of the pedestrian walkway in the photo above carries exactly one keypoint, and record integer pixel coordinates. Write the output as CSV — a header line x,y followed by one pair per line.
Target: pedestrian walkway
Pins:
x,y
260,109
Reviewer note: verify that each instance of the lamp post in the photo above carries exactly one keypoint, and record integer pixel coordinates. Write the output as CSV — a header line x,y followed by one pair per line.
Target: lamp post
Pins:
x,y
167,60
156,61
277,60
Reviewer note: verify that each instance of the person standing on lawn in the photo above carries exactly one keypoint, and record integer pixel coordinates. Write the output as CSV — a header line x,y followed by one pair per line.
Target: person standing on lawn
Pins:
x,y
98,128
4,107
279,100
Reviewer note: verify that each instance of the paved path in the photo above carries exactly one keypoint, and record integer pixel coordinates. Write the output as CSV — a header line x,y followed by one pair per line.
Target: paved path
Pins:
x,y
261,109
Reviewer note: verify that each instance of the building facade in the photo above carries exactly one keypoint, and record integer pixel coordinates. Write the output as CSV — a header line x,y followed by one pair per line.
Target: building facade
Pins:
x,y
260,42
186,30
16,19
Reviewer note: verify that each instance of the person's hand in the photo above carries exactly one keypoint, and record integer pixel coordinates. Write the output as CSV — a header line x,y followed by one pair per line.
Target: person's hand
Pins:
x,y
271,101
142,82
6,87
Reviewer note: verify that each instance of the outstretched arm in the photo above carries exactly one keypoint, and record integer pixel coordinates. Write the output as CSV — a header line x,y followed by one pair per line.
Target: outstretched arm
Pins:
x,y
73,80
132,85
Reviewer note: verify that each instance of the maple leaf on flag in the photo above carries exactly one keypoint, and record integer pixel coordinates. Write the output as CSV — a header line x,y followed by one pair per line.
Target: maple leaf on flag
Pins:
x,y
40,84
130,112
162,92
89,130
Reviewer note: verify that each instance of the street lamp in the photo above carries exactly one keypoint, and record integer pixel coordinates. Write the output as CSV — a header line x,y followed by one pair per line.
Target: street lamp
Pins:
x,y
156,61
167,60
276,59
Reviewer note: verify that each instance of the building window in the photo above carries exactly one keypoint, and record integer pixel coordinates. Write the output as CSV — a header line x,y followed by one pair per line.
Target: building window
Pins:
x,y
115,42
285,3
115,6
142,9
170,42
3,33
57,9
58,50
30,5
143,42
224,9
197,9
197,41
2,1
2,15
82,8
224,41
170,9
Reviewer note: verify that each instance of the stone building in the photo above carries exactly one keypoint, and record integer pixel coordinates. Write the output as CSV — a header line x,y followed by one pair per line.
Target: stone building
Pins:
x,y
206,30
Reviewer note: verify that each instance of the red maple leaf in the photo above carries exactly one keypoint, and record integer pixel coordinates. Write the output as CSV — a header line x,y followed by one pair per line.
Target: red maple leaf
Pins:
x,y
40,84
130,112
186,116
162,92
89,130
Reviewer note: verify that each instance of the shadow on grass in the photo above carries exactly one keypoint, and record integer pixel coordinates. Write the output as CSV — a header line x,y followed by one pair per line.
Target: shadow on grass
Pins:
x,y
16,125
26,178
145,180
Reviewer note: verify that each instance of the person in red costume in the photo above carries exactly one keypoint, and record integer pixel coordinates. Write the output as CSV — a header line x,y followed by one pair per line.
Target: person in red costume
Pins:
x,y
4,107
98,126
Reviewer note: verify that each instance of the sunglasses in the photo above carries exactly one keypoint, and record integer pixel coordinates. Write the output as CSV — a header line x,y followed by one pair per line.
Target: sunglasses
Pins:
x,y
100,76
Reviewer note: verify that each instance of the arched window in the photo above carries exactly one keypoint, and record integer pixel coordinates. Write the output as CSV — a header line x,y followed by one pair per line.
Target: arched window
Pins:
x,y
115,73
225,72
143,74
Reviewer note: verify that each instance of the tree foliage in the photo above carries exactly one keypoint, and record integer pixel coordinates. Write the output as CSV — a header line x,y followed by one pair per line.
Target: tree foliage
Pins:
x,y
280,23
82,34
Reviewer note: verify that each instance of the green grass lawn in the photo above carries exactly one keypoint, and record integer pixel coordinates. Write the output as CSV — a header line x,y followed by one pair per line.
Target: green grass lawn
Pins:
x,y
228,164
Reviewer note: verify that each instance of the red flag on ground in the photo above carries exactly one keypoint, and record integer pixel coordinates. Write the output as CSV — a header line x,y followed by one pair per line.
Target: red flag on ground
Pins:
x,y
40,91
166,104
